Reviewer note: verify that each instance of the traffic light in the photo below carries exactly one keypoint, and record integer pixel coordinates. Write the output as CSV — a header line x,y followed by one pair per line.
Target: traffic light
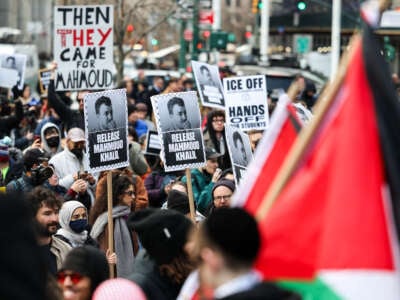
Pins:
x,y
254,6
301,5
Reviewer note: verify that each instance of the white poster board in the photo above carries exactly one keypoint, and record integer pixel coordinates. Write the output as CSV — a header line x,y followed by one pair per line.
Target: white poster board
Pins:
x,y
12,70
83,47
246,102
106,129
208,84
178,124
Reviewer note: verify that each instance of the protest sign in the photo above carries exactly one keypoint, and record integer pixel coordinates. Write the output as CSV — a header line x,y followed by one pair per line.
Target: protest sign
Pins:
x,y
246,102
239,150
106,124
12,70
208,84
153,145
44,80
178,124
83,47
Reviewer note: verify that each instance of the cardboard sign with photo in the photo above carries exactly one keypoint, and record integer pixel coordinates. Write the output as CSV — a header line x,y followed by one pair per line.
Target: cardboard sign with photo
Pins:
x,y
239,151
83,47
106,128
178,124
12,70
246,102
208,84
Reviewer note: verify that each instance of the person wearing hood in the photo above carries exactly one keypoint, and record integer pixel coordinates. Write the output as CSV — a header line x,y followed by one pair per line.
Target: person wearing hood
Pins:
x,y
73,220
51,139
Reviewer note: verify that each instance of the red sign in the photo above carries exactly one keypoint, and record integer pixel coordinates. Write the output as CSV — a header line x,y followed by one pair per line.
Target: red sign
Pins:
x,y
188,35
206,17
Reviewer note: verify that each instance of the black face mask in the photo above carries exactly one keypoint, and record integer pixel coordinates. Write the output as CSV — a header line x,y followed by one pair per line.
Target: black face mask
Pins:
x,y
78,153
53,141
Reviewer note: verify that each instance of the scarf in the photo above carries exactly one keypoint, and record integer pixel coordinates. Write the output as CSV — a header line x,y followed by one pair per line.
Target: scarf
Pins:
x,y
122,238
66,211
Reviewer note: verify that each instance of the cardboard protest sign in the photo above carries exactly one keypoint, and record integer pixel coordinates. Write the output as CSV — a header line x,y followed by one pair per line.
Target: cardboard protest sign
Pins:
x,y
246,102
178,124
12,70
239,151
208,84
106,124
83,47
153,145
44,79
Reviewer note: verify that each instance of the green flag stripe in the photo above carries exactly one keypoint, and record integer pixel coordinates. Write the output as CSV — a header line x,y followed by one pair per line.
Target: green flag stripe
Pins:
x,y
315,290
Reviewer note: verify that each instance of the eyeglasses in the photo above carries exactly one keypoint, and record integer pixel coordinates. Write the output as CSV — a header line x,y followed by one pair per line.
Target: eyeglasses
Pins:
x,y
223,197
130,193
74,277
218,121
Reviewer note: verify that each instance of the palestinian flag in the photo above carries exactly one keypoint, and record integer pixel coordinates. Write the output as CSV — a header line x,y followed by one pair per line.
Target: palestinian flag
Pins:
x,y
270,153
330,233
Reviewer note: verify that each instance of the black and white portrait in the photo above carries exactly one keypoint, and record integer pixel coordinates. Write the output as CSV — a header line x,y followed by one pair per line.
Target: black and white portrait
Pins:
x,y
106,123
239,146
12,69
178,124
208,84
177,111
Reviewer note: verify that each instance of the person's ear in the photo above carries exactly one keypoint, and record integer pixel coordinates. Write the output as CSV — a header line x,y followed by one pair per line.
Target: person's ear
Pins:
x,y
212,258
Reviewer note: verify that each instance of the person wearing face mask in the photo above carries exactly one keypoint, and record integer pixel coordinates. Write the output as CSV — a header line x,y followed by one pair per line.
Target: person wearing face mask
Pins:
x,y
74,223
51,139
71,163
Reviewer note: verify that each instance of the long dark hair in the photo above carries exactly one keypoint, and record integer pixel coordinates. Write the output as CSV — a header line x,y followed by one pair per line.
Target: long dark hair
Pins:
x,y
210,129
120,182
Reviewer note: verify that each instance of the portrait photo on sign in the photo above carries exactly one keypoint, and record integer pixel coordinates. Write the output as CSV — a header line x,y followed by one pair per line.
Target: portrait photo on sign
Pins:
x,y
12,69
106,129
178,124
208,84
239,146
176,111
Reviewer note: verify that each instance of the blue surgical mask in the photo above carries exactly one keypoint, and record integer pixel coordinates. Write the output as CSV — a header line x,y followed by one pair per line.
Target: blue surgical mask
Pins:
x,y
78,225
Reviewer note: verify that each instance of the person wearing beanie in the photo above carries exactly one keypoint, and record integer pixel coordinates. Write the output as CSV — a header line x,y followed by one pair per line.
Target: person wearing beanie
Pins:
x,y
221,193
83,270
227,257
162,266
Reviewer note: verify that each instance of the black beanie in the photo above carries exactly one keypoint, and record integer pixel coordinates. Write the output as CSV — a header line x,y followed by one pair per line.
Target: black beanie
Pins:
x,y
230,184
88,261
162,232
178,201
240,242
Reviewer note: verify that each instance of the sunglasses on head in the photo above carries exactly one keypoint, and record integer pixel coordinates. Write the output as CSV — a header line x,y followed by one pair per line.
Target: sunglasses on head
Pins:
x,y
74,277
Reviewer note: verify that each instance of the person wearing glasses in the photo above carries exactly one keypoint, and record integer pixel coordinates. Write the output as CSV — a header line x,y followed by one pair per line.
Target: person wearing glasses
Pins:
x,y
123,198
214,137
70,117
83,270
221,193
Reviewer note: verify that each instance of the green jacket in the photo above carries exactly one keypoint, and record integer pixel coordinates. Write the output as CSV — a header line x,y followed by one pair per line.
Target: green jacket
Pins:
x,y
202,187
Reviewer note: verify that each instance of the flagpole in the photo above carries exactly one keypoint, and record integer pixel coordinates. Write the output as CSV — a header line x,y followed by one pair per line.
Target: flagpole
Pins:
x,y
335,37
306,134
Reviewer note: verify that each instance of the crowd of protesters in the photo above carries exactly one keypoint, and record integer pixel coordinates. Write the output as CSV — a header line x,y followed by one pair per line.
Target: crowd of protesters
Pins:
x,y
58,209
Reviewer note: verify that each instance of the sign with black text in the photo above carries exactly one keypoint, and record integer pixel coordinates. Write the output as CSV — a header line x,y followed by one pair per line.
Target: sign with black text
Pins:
x,y
239,150
246,102
106,129
83,47
178,124
153,145
44,79
208,84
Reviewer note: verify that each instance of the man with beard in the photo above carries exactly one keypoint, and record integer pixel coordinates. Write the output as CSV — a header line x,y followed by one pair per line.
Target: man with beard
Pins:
x,y
71,164
45,207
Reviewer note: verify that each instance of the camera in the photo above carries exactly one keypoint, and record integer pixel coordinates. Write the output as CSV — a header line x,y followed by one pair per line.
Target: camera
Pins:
x,y
40,174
